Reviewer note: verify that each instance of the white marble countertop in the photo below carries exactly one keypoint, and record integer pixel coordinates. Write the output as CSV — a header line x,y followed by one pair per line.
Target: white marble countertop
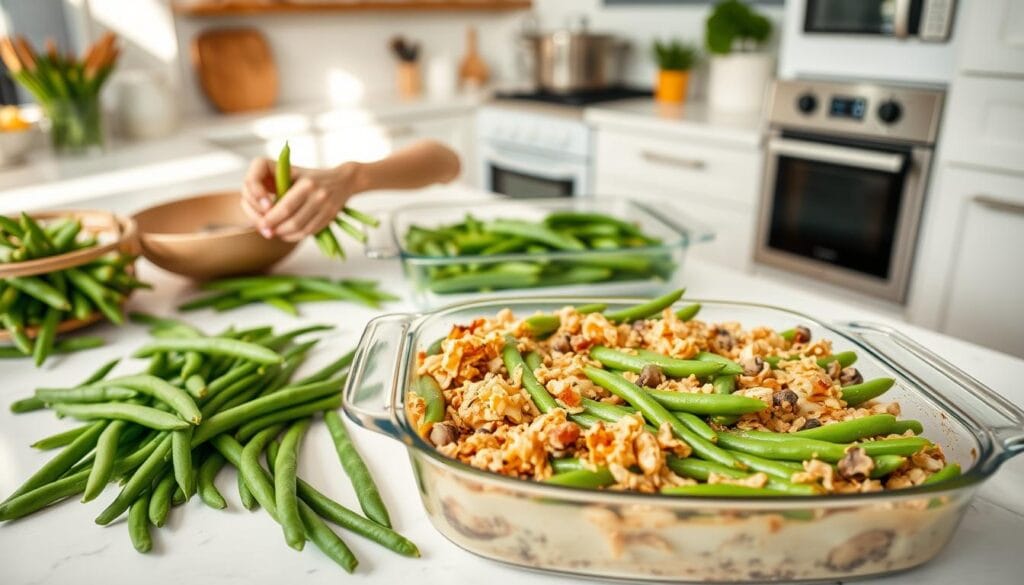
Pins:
x,y
692,120
63,545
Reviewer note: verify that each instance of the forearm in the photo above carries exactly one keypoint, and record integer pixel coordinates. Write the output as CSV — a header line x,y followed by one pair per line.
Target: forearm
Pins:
x,y
417,165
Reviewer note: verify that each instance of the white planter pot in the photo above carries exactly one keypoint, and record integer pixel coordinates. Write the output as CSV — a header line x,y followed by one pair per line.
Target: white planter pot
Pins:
x,y
738,81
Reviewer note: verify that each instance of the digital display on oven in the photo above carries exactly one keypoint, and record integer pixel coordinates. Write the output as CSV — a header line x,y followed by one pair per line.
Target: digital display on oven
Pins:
x,y
848,107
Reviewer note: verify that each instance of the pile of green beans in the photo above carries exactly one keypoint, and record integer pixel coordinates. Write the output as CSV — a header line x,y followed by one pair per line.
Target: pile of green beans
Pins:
x,y
349,221
33,307
603,248
286,292
204,401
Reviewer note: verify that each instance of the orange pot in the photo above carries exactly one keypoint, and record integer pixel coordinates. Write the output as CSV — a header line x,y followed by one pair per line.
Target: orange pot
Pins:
x,y
408,80
672,86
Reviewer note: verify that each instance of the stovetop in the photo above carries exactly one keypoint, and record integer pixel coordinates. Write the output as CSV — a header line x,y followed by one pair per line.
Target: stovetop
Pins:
x,y
576,99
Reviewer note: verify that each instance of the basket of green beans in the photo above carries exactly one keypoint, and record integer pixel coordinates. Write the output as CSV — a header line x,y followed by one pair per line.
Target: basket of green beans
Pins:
x,y
202,402
61,271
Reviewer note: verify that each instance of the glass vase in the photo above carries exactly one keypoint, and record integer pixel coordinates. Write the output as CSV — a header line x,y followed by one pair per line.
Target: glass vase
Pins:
x,y
75,125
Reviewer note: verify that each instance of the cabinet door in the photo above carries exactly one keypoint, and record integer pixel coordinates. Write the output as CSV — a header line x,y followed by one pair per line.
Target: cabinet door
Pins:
x,y
985,304
985,122
993,37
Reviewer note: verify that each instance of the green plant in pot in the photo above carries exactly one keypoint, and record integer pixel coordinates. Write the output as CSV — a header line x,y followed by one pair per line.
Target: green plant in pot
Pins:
x,y
675,60
740,68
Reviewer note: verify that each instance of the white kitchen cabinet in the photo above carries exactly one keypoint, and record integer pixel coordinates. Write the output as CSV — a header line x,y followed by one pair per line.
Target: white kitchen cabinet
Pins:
x,y
986,304
717,185
992,37
985,121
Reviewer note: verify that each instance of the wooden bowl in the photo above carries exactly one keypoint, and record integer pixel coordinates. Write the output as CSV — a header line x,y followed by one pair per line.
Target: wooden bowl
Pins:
x,y
116,234
206,237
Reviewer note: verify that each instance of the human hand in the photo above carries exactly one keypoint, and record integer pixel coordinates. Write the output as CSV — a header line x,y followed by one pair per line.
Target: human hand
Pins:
x,y
314,199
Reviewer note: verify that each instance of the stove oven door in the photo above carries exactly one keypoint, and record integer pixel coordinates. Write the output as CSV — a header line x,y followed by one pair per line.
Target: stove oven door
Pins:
x,y
535,173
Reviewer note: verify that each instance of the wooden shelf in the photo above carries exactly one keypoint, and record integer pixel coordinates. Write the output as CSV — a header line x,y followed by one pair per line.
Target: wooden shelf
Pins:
x,y
236,7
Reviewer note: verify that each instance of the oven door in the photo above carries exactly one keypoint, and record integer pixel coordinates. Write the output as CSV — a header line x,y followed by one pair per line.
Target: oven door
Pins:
x,y
520,173
842,213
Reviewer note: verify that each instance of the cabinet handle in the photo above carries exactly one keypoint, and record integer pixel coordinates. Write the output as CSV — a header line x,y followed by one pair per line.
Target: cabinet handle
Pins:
x,y
675,161
401,131
999,204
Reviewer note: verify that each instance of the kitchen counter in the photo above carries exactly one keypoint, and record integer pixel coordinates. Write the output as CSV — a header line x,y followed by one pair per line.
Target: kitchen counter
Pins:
x,y
695,120
63,545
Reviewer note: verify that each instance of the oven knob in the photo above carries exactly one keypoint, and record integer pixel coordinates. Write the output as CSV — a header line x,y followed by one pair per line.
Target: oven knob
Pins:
x,y
889,111
807,103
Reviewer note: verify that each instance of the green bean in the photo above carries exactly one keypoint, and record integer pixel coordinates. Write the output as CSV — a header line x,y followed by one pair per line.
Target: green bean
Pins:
x,y
851,430
591,308
717,490
85,394
329,370
427,389
231,377
886,464
230,394
697,425
728,366
676,368
326,540
143,415
783,470
534,232
792,449
256,479
564,464
195,385
845,359
657,414
338,291
101,372
285,496
283,305
60,439
11,226
138,524
533,360
226,420
29,404
103,461
361,217
702,470
905,446
244,493
354,232
41,290
66,235
706,404
688,312
54,468
15,325
276,342
267,290
514,360
644,310
173,396
724,385
541,326
160,500
79,343
206,301
288,414
482,281
950,471
97,293
857,394
283,173
181,457
583,478
45,336
902,426
605,411
353,464
81,308
139,482
208,491
213,346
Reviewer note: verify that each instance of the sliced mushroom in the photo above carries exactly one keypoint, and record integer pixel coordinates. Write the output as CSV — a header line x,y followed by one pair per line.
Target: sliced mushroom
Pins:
x,y
801,334
443,433
811,423
650,376
752,365
785,400
560,343
856,464
724,339
850,376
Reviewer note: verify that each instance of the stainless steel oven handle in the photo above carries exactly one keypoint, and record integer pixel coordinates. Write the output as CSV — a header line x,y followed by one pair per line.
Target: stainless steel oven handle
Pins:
x,y
693,164
843,155
901,19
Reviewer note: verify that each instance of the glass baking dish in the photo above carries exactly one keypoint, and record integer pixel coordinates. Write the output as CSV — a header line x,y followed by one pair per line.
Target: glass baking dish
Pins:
x,y
644,270
653,537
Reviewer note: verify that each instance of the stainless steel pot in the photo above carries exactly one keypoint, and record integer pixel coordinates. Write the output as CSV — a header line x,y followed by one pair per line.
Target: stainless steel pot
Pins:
x,y
567,61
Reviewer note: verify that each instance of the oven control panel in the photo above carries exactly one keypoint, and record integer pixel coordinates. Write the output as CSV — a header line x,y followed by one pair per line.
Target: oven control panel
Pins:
x,y
882,111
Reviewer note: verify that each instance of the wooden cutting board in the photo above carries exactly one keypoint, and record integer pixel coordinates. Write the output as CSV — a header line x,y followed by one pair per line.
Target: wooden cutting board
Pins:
x,y
236,69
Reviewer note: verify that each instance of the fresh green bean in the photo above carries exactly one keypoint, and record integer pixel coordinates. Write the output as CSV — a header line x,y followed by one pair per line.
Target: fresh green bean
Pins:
x,y
361,217
729,367
138,524
706,404
688,312
697,425
173,396
644,310
283,173
541,326
851,430
41,290
857,394
103,461
160,500
514,360
85,394
534,232
783,470
45,336
54,468
702,470
886,464
282,304
583,478
181,457
254,426
60,439
482,281
902,426
676,368
97,293
143,415
430,392
720,490
213,346
208,471
326,540
845,359
357,471
657,414
591,308
139,482
244,493
256,479
329,370
286,499
791,448
950,471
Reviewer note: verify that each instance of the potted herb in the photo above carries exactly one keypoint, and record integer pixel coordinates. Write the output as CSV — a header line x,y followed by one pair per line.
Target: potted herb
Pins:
x,y
675,60
739,67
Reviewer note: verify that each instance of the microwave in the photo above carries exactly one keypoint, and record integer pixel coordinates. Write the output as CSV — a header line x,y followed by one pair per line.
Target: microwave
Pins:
x,y
925,20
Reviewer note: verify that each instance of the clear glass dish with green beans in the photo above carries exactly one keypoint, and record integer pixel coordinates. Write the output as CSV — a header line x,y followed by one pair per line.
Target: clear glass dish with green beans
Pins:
x,y
746,535
575,245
